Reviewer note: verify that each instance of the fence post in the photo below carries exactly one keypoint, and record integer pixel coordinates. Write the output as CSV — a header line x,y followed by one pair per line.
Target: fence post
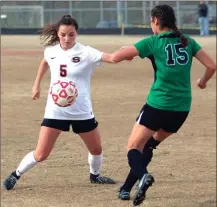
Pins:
x,y
119,16
178,13
101,11
42,14
70,7
144,13
125,13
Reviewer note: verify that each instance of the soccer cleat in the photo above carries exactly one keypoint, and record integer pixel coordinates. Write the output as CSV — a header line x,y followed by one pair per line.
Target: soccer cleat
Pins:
x,y
102,180
124,195
10,181
146,181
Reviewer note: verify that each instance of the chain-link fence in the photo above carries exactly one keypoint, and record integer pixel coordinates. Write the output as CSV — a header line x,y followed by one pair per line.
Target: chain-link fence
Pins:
x,y
97,14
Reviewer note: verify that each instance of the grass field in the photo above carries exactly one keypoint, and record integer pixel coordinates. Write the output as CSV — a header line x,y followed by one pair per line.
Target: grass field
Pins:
x,y
184,165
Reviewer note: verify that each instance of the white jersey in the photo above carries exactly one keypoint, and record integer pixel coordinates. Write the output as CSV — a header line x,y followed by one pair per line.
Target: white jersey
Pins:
x,y
77,65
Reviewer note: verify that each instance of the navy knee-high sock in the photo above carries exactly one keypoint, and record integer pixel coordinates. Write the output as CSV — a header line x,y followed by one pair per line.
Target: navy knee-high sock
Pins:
x,y
147,154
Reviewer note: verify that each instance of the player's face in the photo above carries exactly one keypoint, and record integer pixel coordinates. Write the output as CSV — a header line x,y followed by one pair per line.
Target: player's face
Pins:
x,y
67,35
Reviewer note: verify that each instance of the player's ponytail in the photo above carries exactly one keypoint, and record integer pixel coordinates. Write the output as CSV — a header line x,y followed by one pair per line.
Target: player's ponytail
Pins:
x,y
183,39
49,32
167,18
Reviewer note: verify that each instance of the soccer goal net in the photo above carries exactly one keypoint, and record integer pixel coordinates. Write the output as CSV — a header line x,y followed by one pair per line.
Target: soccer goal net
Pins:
x,y
22,16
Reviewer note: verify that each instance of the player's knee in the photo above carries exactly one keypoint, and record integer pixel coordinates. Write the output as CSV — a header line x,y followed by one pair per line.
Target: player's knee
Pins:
x,y
129,146
39,157
132,145
96,151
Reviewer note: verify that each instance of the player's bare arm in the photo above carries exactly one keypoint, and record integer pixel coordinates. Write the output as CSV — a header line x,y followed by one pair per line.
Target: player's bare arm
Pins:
x,y
210,65
126,53
43,67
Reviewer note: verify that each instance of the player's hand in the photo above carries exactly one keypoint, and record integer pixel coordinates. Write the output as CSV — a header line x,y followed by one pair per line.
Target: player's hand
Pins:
x,y
201,84
35,92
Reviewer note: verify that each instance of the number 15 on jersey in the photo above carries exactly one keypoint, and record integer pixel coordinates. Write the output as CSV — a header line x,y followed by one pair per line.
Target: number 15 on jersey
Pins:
x,y
180,52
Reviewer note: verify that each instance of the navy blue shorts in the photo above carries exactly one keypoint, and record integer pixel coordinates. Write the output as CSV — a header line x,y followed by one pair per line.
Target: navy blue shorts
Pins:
x,y
78,126
155,119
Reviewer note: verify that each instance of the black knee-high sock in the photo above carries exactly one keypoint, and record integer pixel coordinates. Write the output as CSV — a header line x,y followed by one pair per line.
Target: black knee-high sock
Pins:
x,y
132,178
135,162
146,159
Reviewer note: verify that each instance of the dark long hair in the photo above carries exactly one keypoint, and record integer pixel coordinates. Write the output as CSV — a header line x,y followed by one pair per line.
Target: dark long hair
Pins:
x,y
167,18
49,32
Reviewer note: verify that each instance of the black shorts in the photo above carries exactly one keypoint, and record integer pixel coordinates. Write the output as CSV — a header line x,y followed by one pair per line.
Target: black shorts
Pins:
x,y
78,126
155,119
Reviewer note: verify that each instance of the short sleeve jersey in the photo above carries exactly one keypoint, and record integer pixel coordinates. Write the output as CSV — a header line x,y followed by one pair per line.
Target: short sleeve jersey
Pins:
x,y
171,89
77,65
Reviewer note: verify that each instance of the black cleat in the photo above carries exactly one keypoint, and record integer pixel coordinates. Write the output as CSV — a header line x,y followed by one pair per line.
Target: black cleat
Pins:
x,y
146,181
124,195
10,181
102,180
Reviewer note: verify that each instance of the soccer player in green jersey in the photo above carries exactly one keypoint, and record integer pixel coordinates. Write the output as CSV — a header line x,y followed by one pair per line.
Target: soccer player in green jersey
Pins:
x,y
169,100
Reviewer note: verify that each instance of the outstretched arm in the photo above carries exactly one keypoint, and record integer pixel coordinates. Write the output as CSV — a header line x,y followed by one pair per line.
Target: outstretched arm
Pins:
x,y
210,65
125,53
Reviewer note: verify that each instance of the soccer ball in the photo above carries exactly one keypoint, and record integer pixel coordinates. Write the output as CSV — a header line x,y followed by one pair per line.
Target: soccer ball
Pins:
x,y
64,93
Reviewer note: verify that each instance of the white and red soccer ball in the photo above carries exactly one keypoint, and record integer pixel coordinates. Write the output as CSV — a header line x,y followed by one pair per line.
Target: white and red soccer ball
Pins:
x,y
64,93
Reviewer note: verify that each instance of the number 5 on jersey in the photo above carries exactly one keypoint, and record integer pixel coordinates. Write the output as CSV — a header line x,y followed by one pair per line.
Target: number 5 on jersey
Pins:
x,y
63,71
180,52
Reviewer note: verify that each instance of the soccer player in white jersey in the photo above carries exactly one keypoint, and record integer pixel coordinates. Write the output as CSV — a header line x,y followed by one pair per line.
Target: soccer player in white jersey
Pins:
x,y
66,59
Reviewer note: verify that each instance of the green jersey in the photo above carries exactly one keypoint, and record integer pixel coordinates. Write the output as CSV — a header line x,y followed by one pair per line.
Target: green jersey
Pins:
x,y
171,89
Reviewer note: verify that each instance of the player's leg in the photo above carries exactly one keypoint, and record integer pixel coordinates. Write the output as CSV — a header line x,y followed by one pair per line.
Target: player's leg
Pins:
x,y
89,133
152,144
46,141
206,25
201,26
147,123
147,154
138,138
171,123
